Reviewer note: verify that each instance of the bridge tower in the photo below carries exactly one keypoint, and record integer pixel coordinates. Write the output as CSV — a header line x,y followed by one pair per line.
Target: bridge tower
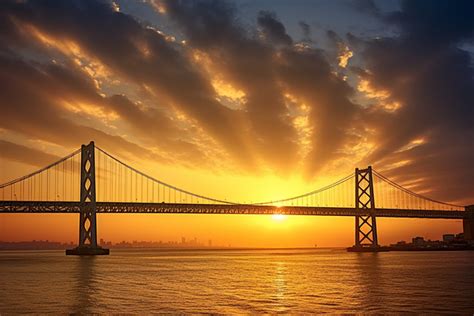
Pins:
x,y
365,223
87,220
468,224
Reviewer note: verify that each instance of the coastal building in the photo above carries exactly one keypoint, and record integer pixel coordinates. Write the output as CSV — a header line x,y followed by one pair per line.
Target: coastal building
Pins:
x,y
448,237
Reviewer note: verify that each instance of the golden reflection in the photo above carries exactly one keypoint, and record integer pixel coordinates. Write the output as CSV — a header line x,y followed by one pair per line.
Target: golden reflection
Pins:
x,y
279,281
86,272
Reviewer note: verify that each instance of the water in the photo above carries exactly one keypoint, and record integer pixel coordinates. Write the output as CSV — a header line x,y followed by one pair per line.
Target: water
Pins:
x,y
244,281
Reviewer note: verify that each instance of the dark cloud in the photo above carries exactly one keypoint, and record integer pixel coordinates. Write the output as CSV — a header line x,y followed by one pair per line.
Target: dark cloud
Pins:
x,y
441,168
309,76
155,126
336,45
366,6
435,24
426,71
306,29
48,86
27,155
266,73
32,103
139,54
272,29
266,70
246,62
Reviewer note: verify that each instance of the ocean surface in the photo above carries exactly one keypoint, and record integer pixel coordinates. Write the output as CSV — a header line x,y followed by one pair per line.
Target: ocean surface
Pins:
x,y
237,281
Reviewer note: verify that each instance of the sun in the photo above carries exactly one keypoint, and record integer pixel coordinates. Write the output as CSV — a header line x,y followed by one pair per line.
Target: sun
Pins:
x,y
278,217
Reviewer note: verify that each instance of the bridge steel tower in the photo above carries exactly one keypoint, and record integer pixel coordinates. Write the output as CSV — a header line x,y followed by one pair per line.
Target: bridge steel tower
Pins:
x,y
365,224
87,220
468,224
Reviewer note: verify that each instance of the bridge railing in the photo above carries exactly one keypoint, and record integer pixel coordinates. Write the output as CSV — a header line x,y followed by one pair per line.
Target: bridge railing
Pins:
x,y
117,181
59,181
337,194
391,195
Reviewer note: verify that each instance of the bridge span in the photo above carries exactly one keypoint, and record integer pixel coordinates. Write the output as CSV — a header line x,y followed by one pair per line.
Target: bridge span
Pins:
x,y
249,209
91,181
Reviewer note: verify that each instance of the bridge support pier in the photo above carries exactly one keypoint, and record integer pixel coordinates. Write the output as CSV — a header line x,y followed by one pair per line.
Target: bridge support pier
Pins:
x,y
468,224
87,220
366,239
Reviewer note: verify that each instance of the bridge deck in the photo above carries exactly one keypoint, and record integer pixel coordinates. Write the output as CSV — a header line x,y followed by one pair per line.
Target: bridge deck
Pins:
x,y
175,208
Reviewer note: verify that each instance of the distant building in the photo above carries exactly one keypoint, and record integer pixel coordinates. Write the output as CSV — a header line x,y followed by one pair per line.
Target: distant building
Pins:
x,y
418,241
448,237
31,245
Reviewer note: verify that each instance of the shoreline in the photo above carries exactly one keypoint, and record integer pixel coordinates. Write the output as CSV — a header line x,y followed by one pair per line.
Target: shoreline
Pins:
x,y
192,249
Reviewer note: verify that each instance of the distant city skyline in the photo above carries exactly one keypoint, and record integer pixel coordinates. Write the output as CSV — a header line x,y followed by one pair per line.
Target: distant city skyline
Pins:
x,y
192,243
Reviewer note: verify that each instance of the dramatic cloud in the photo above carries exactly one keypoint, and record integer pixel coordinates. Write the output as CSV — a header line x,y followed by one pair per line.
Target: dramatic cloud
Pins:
x,y
272,29
35,103
367,6
134,52
306,31
245,94
246,63
270,71
425,70
25,154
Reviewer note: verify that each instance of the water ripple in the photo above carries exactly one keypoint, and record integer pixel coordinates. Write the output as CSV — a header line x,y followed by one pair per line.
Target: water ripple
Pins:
x,y
237,282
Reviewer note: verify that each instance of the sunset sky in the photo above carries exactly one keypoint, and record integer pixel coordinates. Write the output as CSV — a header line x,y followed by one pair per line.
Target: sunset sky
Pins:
x,y
241,100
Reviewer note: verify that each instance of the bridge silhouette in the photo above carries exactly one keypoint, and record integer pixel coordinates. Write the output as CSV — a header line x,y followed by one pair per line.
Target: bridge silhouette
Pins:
x,y
91,181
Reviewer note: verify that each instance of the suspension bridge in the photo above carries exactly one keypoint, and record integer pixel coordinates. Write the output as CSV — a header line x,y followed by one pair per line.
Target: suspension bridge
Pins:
x,y
91,181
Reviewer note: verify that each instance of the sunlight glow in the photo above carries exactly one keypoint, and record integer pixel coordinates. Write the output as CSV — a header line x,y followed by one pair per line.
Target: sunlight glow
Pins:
x,y
225,89
382,96
278,217
346,54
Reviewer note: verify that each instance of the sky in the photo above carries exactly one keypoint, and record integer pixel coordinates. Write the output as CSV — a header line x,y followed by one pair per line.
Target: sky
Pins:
x,y
241,100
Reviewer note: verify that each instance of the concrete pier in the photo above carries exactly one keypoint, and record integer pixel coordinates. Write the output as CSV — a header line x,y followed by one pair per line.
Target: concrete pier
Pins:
x,y
87,251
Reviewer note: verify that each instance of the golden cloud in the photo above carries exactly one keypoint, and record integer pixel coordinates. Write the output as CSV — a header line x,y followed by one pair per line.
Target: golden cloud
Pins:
x,y
344,57
383,97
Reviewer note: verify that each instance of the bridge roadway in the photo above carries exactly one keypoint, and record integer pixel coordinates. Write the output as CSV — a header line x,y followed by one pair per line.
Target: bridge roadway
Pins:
x,y
184,208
